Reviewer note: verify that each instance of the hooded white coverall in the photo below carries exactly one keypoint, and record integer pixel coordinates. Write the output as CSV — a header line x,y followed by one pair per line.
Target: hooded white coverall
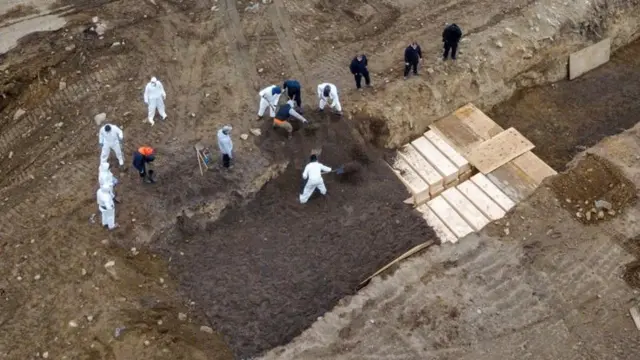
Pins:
x,y
106,178
107,207
154,96
111,141
333,95
224,141
313,175
268,100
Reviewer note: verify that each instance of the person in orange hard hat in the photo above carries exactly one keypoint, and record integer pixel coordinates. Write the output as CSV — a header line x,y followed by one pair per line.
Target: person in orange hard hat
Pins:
x,y
142,156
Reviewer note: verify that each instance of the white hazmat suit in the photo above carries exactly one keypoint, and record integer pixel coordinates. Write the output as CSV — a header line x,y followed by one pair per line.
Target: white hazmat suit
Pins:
x,y
313,176
269,98
107,207
333,96
224,141
106,178
154,96
110,140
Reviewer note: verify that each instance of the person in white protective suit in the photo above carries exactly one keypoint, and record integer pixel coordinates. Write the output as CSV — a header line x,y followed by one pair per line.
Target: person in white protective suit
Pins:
x,y
312,176
106,178
107,207
328,93
110,138
154,97
269,98
226,145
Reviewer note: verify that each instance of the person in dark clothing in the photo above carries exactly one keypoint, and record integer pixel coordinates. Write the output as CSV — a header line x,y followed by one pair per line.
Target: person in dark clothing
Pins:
x,y
359,70
450,37
141,157
293,91
412,56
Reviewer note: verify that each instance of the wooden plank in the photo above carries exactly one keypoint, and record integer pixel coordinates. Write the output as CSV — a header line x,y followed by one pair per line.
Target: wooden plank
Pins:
x,y
498,150
478,122
589,58
440,162
456,158
514,182
421,166
635,315
450,217
465,208
417,187
440,228
411,251
458,135
481,200
493,191
533,166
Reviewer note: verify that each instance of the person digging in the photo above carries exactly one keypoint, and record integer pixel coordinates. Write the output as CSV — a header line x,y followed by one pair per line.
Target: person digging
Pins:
x,y
141,158
285,112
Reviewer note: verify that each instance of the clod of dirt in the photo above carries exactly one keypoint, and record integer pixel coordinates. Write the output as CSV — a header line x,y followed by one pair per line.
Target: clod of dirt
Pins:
x,y
593,186
206,329
244,136
19,113
100,118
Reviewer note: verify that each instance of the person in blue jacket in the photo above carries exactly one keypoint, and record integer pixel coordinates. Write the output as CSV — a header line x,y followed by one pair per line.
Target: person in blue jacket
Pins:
x,y
293,91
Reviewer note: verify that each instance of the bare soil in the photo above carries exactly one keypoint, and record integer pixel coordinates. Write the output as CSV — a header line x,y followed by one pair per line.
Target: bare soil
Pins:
x,y
17,12
265,271
592,179
213,57
565,118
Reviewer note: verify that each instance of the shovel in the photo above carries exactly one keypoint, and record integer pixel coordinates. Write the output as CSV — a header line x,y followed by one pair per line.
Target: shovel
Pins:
x,y
350,167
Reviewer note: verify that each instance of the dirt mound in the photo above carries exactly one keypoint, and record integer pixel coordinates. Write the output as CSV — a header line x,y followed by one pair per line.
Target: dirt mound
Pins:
x,y
594,189
265,271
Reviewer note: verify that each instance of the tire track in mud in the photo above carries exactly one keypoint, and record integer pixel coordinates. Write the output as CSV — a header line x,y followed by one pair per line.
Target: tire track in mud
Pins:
x,y
280,23
37,130
245,68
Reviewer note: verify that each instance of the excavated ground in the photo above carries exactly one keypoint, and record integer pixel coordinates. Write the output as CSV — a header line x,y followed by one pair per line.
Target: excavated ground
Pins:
x,y
70,289
566,117
266,270
545,282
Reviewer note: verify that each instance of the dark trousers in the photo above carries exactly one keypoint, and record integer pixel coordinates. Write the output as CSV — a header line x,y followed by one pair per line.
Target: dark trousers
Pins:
x,y
411,65
367,79
294,94
226,160
453,46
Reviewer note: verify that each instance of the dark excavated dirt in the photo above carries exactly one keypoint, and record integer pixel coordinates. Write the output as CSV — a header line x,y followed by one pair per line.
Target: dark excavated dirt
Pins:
x,y
565,118
267,270
592,179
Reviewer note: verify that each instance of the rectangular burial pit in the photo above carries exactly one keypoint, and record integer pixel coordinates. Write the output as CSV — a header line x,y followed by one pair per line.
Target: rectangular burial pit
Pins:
x,y
264,272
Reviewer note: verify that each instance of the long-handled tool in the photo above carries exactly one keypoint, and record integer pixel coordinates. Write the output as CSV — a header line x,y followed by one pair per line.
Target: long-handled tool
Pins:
x,y
347,168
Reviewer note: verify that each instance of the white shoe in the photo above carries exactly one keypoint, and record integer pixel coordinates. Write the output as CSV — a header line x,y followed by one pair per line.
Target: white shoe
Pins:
x,y
164,117
151,122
